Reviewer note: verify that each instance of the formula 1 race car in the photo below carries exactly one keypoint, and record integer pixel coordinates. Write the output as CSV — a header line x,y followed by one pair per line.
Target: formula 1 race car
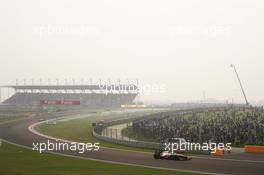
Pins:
x,y
161,154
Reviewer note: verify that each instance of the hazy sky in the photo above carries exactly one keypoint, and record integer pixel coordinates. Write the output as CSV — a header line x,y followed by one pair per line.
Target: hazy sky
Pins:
x,y
187,46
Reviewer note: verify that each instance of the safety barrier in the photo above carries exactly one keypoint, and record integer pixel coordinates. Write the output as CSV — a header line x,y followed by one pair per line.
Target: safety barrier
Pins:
x,y
254,149
97,133
138,144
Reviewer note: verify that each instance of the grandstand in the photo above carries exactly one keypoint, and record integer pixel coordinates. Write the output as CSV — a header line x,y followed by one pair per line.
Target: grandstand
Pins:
x,y
91,96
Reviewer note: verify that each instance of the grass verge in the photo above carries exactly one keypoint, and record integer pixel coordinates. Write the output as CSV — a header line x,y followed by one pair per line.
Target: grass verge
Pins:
x,y
15,160
79,130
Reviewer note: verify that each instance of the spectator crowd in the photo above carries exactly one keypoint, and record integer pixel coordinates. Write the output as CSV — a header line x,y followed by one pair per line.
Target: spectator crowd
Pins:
x,y
239,126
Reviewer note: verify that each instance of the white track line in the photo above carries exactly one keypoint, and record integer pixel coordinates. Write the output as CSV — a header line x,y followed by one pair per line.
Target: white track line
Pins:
x,y
32,129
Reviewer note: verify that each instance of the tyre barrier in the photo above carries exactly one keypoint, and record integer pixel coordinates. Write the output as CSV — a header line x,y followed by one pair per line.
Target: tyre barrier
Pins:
x,y
218,152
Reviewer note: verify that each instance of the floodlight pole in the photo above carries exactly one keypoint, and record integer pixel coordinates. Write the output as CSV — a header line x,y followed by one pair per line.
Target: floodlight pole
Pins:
x,y
242,89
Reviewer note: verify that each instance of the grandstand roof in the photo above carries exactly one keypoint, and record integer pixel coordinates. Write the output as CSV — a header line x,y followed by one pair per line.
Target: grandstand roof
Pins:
x,y
74,87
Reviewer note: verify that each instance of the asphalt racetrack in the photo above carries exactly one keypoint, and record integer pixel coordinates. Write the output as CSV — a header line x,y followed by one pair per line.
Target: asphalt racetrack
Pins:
x,y
242,163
